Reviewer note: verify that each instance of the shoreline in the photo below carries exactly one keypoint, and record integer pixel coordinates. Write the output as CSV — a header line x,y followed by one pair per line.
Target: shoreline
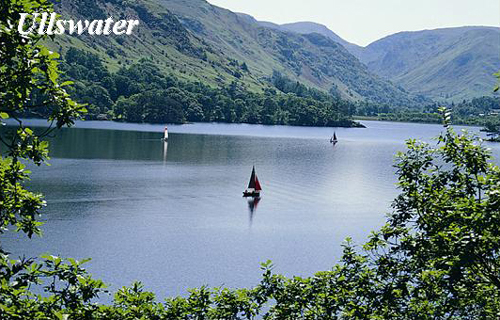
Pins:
x,y
42,122
363,118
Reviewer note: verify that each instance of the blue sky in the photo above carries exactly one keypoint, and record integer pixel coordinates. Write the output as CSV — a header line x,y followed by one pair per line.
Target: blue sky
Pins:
x,y
364,21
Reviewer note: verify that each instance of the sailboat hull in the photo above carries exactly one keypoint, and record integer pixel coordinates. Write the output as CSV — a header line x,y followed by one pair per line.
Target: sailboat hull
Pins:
x,y
251,193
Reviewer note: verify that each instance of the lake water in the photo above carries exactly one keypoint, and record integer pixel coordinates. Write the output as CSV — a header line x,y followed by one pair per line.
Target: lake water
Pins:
x,y
173,215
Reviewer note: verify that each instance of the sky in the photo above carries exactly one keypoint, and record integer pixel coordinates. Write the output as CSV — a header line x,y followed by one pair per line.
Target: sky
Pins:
x,y
364,21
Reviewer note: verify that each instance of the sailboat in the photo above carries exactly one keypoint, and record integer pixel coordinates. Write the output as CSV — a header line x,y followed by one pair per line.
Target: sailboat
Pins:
x,y
254,187
165,134
333,139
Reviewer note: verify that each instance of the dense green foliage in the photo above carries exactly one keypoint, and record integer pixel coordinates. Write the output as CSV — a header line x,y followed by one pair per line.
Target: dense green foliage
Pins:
x,y
143,93
26,68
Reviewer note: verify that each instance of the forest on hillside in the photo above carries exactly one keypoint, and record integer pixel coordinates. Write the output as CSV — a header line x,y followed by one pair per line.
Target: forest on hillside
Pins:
x,y
143,93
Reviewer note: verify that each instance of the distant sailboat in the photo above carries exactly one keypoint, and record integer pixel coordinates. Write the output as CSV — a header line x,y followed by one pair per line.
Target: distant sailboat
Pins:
x,y
334,139
254,187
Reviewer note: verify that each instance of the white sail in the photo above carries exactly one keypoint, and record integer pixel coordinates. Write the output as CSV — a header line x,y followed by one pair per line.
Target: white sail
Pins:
x,y
165,134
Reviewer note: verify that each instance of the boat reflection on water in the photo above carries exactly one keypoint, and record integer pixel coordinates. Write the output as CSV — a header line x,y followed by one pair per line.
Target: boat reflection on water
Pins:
x,y
165,149
252,206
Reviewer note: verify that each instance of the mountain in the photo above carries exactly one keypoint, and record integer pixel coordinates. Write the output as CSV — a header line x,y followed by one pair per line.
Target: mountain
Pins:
x,y
312,27
160,37
311,59
198,41
451,63
443,64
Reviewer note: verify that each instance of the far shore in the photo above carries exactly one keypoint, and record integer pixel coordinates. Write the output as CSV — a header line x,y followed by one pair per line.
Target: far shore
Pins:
x,y
372,118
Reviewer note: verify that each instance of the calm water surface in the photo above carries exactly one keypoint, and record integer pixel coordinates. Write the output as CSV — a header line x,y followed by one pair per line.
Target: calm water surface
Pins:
x,y
173,217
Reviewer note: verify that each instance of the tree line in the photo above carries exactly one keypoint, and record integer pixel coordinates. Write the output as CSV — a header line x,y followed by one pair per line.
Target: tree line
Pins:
x,y
477,111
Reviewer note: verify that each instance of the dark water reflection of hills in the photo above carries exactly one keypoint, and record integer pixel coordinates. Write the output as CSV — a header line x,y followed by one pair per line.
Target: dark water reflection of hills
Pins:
x,y
181,148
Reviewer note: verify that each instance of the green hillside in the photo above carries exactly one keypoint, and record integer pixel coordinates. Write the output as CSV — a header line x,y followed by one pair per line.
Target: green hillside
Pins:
x,y
312,60
160,37
449,64
306,27
197,41
452,63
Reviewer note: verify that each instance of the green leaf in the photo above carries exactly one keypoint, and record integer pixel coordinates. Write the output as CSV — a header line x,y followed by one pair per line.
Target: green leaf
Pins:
x,y
4,115
66,83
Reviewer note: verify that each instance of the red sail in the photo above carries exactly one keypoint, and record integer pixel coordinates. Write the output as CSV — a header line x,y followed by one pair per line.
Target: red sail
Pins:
x,y
257,184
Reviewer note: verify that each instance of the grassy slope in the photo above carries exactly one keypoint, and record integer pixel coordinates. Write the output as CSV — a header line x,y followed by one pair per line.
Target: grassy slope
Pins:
x,y
312,27
313,60
454,63
160,36
214,43
448,63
